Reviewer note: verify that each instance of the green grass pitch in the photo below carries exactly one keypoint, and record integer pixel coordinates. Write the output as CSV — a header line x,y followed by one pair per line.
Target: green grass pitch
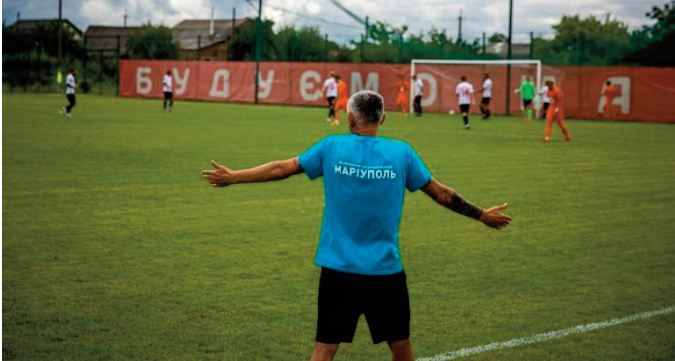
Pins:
x,y
114,248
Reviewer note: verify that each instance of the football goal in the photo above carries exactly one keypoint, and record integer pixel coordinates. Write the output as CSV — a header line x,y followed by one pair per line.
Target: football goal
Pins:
x,y
440,77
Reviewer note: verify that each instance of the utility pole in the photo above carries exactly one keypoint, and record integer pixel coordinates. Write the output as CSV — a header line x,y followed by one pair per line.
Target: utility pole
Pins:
x,y
325,48
367,29
400,47
233,32
441,45
125,18
531,44
459,22
483,43
508,56
234,23
258,46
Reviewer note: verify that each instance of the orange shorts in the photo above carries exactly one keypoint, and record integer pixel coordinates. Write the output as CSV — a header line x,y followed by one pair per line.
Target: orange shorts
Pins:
x,y
402,100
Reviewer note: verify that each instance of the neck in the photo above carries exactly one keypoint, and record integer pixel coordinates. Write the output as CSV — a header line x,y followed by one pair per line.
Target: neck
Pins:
x,y
364,129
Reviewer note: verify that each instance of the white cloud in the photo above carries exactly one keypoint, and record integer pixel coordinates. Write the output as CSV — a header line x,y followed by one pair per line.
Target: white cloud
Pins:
x,y
313,7
420,15
98,12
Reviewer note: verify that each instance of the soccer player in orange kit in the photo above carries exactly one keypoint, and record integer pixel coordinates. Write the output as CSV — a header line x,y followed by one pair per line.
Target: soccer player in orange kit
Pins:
x,y
341,102
555,113
609,91
402,101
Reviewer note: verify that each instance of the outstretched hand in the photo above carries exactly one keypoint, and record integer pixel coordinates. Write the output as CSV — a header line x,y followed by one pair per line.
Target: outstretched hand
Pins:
x,y
219,176
493,217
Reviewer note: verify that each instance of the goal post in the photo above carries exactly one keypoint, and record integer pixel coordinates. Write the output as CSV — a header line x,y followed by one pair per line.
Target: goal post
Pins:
x,y
416,63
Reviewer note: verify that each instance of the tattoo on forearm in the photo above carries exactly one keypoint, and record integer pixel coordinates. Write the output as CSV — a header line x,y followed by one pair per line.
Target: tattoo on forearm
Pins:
x,y
462,206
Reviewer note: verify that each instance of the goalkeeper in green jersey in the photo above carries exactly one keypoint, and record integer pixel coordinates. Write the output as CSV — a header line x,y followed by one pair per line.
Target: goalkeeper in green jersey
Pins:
x,y
527,92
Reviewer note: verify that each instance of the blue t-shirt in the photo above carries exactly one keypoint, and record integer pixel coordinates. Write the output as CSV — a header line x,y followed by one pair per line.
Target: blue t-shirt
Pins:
x,y
364,182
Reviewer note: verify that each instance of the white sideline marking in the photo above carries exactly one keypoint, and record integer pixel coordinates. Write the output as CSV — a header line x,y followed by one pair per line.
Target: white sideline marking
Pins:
x,y
546,336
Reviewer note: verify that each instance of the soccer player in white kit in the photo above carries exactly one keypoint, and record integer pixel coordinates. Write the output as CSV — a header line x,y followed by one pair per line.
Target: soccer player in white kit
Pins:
x,y
330,91
545,100
70,93
168,90
418,91
487,95
464,93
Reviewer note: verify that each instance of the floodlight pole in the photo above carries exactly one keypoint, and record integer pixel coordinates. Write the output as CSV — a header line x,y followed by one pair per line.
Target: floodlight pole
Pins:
x,y
507,111
258,45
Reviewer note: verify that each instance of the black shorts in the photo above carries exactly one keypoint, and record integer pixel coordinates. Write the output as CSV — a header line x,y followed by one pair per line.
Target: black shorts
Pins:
x,y
545,107
527,102
343,297
331,101
464,108
168,95
485,101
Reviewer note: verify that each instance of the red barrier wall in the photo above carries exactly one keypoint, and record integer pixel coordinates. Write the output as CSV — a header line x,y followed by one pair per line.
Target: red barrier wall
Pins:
x,y
646,94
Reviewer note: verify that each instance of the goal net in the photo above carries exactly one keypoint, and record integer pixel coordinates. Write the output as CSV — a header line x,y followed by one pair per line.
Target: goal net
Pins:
x,y
440,78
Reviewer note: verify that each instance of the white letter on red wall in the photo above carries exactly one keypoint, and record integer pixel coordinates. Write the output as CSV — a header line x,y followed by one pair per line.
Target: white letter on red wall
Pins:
x,y
143,81
181,82
430,89
265,85
309,85
224,90
372,82
622,99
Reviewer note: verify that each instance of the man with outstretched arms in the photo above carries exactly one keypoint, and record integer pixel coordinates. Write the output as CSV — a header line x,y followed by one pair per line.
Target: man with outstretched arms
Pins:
x,y
486,91
365,177
464,93
330,91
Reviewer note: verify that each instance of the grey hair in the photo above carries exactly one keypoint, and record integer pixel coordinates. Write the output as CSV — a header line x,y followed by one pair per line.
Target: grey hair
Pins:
x,y
367,107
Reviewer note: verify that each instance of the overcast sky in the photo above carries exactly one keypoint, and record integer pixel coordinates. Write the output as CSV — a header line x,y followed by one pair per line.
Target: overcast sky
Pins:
x,y
420,15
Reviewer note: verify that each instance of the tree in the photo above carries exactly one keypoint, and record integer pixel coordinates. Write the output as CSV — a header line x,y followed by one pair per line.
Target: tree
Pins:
x,y
152,42
653,45
586,41
243,46
497,38
30,56
305,44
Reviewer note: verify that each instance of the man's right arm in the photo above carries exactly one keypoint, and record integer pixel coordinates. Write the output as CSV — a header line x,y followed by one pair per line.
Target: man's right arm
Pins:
x,y
447,197
221,176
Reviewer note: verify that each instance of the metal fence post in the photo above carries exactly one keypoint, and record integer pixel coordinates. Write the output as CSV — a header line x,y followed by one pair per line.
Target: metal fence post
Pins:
x,y
117,66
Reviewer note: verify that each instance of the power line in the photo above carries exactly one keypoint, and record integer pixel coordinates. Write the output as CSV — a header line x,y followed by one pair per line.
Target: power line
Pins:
x,y
311,17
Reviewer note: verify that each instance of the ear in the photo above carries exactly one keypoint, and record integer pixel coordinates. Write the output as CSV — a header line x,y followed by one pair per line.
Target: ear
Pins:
x,y
351,118
384,116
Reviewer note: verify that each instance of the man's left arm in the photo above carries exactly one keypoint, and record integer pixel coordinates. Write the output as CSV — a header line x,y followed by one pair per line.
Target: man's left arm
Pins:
x,y
449,198
221,176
